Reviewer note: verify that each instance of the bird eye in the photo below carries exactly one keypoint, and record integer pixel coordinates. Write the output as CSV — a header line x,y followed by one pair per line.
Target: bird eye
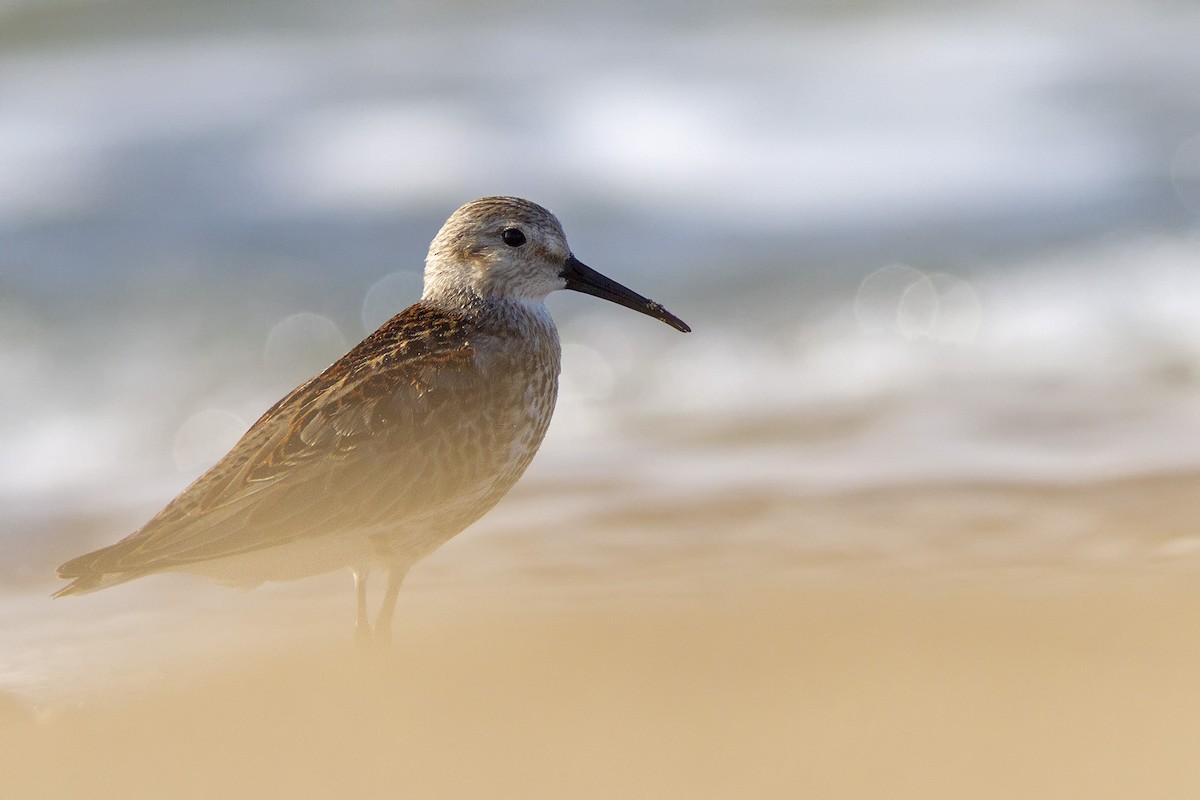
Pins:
x,y
513,237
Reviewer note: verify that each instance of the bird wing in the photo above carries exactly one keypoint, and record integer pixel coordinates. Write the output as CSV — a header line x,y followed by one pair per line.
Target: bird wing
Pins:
x,y
367,440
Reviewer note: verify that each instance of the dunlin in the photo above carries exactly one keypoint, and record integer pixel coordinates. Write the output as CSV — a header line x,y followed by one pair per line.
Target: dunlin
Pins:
x,y
399,445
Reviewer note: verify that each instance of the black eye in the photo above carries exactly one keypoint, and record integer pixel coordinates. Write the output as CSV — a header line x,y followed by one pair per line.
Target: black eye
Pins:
x,y
513,237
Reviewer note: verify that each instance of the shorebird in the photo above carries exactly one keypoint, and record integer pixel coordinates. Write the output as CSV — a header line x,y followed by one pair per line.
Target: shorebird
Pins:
x,y
399,445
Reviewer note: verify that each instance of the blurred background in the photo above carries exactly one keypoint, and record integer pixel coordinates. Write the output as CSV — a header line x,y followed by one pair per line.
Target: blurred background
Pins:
x,y
942,261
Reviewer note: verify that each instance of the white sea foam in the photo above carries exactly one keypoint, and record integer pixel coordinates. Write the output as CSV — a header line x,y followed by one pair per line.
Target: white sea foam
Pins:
x,y
798,124
1084,365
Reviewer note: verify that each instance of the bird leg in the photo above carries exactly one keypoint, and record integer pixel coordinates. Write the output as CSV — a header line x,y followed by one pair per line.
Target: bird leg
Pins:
x,y
362,628
383,622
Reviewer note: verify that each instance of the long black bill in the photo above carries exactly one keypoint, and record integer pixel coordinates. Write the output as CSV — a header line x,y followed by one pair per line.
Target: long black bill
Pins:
x,y
582,278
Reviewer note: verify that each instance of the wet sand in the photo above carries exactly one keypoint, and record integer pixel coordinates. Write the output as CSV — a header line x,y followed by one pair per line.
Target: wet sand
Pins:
x,y
1039,677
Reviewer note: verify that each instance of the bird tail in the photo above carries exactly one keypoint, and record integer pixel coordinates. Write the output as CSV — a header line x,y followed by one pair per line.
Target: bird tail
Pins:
x,y
89,579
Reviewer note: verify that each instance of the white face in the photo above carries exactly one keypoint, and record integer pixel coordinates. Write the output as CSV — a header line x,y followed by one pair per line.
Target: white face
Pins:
x,y
498,247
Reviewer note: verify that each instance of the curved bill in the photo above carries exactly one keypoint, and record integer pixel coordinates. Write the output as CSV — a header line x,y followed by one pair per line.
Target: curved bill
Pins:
x,y
582,278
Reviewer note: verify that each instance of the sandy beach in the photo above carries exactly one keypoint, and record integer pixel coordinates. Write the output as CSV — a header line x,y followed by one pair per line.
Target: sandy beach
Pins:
x,y
1066,675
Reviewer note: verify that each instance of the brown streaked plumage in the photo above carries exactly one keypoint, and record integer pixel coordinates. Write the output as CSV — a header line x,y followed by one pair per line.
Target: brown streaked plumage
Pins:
x,y
403,442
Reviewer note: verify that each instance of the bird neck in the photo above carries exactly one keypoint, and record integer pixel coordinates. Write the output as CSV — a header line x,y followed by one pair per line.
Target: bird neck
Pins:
x,y
463,299
498,310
